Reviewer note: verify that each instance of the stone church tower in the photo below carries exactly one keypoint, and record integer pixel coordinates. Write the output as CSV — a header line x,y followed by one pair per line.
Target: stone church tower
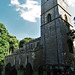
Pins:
x,y
55,46
55,27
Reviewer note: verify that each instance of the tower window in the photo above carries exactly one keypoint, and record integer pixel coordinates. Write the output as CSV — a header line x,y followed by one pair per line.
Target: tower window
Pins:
x,y
49,18
66,18
38,44
31,46
70,45
27,59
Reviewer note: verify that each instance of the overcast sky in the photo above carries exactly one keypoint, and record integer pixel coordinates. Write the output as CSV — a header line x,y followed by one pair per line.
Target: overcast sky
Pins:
x,y
22,17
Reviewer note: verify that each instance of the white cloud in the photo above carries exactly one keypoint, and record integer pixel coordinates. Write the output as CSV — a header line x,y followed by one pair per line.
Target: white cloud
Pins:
x,y
17,9
14,2
30,11
71,3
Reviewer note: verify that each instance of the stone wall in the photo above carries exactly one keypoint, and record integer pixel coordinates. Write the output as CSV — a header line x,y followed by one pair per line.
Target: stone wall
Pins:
x,y
27,54
54,33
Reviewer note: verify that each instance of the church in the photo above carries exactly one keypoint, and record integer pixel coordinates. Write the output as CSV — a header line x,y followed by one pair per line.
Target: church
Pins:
x,y
56,44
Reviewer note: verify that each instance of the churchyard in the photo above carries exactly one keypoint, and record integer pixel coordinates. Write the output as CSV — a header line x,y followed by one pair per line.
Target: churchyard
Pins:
x,y
42,70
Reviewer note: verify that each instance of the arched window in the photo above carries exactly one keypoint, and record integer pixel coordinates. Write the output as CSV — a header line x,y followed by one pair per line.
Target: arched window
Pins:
x,y
49,18
27,59
66,18
38,43
70,45
31,46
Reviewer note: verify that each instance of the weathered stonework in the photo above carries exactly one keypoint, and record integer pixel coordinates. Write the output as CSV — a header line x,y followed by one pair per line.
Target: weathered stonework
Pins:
x,y
31,52
54,33
52,47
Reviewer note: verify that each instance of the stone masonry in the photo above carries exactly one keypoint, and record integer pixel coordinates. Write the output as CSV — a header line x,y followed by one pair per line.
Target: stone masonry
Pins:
x,y
54,46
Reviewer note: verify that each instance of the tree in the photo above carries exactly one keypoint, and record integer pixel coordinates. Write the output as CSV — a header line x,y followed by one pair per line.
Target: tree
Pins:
x,y
7,42
4,44
13,43
25,40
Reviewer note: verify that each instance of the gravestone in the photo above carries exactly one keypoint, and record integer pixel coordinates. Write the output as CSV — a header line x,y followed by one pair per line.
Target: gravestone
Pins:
x,y
7,69
59,70
48,70
55,71
1,68
40,70
29,70
24,73
13,71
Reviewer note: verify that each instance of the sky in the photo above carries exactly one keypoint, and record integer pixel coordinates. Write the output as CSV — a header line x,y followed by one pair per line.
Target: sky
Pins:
x,y
22,17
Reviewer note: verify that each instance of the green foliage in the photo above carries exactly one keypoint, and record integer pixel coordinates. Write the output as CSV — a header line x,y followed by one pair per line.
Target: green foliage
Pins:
x,y
4,44
25,40
7,42
13,43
